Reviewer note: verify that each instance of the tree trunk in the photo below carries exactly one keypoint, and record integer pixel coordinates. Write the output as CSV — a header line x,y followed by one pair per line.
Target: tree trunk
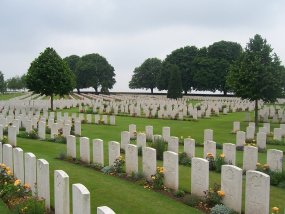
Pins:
x,y
51,102
78,90
256,114
96,90
225,92
185,92
151,90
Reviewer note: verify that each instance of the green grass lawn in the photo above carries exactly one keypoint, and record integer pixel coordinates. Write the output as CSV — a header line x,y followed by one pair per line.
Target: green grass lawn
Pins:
x,y
126,197
11,95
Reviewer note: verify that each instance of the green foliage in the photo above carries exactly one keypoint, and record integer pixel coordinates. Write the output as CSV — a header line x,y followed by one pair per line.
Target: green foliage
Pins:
x,y
221,209
258,74
49,75
179,193
17,196
145,76
160,146
16,83
95,71
175,84
31,135
72,62
275,142
214,196
184,159
158,179
3,85
224,54
220,160
116,168
183,58
191,200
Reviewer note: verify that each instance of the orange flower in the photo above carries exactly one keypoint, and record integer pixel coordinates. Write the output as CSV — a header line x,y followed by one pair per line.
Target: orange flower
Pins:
x,y
27,186
221,193
17,182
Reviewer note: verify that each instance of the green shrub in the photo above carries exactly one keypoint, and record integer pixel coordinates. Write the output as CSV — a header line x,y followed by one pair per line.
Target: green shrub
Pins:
x,y
214,196
221,209
275,142
184,159
191,200
220,160
160,146
179,193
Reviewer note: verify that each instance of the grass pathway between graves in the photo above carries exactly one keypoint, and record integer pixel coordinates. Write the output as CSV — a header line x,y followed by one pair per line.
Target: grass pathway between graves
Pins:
x,y
11,95
126,197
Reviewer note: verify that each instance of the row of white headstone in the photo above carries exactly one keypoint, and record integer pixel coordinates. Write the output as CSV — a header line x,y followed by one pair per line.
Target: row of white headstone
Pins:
x,y
257,183
35,172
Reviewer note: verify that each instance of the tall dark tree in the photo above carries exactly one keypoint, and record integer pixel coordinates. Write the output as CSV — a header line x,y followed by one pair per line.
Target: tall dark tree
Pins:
x,y
72,62
163,77
175,84
15,83
183,58
49,75
258,74
223,54
95,71
2,83
145,76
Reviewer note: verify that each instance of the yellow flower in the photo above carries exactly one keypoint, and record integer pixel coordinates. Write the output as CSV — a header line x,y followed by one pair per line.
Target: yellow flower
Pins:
x,y
222,155
152,177
17,182
258,164
275,209
221,193
3,165
9,172
8,169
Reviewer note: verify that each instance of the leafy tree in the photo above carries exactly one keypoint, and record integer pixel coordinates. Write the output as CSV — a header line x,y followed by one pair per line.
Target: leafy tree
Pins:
x,y
72,62
163,77
222,54
183,58
14,83
2,83
258,74
146,75
49,75
95,71
175,83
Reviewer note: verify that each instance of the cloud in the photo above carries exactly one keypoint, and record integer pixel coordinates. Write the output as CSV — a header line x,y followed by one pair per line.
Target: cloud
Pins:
x,y
127,32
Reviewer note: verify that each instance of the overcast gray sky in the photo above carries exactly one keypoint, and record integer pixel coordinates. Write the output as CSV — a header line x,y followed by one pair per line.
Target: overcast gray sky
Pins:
x,y
127,32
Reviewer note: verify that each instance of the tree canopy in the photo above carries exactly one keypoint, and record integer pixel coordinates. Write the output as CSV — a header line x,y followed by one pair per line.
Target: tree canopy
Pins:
x,y
145,76
183,58
2,83
258,74
175,84
95,71
49,75
72,62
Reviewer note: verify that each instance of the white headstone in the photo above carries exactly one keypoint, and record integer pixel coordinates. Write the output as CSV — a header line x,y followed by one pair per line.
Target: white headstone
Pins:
x,y
104,210
209,147
173,144
170,165
231,184
189,147
61,192
149,162
240,138
250,157
131,159
261,140
208,135
98,151
12,135
229,151
275,160
71,146
19,164
80,199
165,133
257,193
85,149
8,156
141,140
199,176
114,152
149,132
125,139
31,170
43,183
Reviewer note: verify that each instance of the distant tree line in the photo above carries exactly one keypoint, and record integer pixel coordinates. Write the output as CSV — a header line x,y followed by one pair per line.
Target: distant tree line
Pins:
x,y
204,69
12,84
